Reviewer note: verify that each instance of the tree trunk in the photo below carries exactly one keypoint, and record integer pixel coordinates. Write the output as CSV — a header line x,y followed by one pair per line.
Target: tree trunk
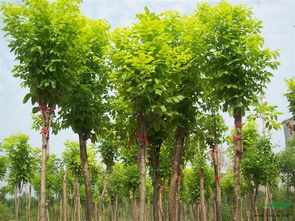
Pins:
x,y
266,201
79,202
156,177
116,213
202,196
106,181
29,203
60,210
142,165
16,202
255,202
46,116
238,145
216,165
85,170
176,167
161,211
65,203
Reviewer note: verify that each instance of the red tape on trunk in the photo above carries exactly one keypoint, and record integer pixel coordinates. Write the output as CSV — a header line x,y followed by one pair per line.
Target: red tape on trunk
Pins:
x,y
238,152
239,125
44,131
237,138
144,139
43,108
217,178
214,151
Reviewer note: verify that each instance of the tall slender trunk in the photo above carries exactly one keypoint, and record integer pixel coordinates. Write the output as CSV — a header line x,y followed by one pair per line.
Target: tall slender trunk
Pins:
x,y
266,201
29,203
65,203
116,212
60,210
78,202
237,162
46,116
156,177
106,181
161,211
85,171
216,166
255,202
16,202
202,195
142,164
176,167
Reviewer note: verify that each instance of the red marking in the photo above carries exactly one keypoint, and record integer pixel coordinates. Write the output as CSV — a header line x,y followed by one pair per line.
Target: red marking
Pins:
x,y
237,138
161,189
43,108
238,152
217,178
144,139
214,151
239,125
44,131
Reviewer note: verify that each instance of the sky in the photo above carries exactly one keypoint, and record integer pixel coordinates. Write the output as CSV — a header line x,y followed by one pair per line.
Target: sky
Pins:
x,y
278,18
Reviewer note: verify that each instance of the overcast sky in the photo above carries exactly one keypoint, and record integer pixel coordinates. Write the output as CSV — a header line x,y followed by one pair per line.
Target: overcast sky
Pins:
x,y
279,33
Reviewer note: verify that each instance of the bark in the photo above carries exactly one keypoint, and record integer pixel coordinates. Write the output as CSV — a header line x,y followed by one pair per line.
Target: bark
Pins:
x,y
46,115
255,202
161,211
79,202
65,203
267,200
216,165
106,181
29,203
238,145
86,175
156,186
60,210
176,167
116,212
202,196
142,165
16,202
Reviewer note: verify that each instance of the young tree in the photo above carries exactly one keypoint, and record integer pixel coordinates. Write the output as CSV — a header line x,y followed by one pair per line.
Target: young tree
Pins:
x,y
84,109
286,162
19,164
146,66
42,34
236,65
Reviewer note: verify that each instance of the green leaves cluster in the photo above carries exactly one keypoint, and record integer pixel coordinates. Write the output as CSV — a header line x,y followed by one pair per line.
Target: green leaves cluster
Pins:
x,y
42,35
234,60
291,95
147,59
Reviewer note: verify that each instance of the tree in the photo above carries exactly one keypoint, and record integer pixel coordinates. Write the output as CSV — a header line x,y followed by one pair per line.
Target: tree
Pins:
x,y
286,162
146,66
291,95
19,164
237,66
84,109
42,34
